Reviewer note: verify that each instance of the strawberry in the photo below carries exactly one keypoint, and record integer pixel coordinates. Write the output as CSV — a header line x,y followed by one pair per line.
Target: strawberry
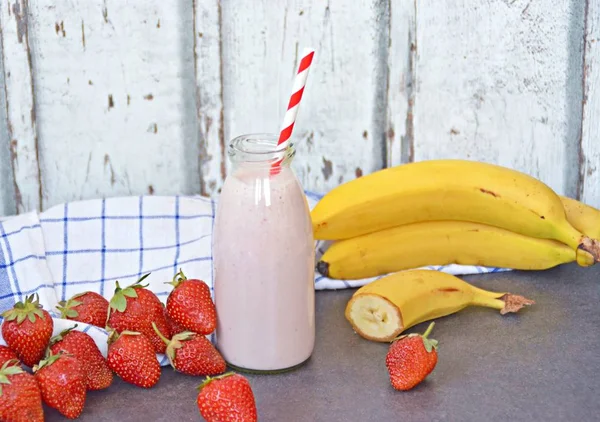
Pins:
x,y
132,357
410,359
98,375
26,329
174,328
88,307
62,381
134,308
6,354
20,396
227,397
193,354
190,305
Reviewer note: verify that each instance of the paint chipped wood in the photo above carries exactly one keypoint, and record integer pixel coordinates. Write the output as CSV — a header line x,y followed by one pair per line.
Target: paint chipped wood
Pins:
x,y
589,185
127,57
507,77
20,103
401,57
209,95
161,91
7,186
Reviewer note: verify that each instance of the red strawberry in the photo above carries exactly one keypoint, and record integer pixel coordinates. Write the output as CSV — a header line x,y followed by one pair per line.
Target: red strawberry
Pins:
x,y
190,305
62,381
174,328
20,396
98,375
134,308
132,357
88,307
410,359
6,354
26,329
193,354
228,397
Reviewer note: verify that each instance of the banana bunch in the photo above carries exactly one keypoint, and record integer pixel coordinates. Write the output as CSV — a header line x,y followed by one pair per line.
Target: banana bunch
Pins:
x,y
440,212
383,309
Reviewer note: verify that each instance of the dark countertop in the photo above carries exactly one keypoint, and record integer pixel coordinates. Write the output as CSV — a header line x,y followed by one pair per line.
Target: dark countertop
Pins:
x,y
540,365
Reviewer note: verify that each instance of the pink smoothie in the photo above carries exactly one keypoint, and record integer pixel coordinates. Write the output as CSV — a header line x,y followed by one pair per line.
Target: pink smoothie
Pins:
x,y
264,263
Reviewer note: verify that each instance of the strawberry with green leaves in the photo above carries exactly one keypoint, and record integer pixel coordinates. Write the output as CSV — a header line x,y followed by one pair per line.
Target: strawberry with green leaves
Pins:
x,y
20,396
61,379
98,375
134,308
6,354
190,305
410,359
131,356
193,354
228,397
26,329
88,307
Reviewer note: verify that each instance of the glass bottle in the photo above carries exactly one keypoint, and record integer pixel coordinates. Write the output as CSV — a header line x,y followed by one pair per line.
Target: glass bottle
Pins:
x,y
263,260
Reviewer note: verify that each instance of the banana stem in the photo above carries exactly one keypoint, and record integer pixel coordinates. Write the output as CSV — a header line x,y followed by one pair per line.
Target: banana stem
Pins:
x,y
504,302
590,246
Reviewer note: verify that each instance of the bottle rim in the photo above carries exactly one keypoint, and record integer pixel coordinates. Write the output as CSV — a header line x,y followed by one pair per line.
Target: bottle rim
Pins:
x,y
259,148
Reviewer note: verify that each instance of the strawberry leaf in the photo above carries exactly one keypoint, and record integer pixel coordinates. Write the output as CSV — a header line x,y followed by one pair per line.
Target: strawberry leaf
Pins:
x,y
142,279
118,302
130,292
21,318
72,313
430,344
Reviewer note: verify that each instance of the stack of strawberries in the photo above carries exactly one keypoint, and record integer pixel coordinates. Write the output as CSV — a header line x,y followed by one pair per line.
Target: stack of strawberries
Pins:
x,y
69,364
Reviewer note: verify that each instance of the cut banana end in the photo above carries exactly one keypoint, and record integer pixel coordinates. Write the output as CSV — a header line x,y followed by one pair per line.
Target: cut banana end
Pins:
x,y
374,317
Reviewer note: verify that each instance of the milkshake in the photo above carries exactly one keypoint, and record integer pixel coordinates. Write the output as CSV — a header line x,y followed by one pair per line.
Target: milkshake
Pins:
x,y
263,260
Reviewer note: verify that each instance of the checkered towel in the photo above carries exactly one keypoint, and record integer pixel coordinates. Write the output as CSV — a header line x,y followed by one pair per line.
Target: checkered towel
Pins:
x,y
88,245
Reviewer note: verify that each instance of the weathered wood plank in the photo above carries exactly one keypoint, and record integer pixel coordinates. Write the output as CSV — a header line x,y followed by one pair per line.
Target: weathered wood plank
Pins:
x,y
500,81
401,79
115,93
340,131
15,27
8,205
589,187
209,94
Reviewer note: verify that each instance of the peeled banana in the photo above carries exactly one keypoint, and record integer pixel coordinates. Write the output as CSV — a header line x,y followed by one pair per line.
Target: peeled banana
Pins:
x,y
440,243
383,309
584,218
448,190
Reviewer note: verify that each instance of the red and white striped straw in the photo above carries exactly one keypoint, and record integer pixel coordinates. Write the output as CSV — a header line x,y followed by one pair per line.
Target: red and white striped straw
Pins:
x,y
292,111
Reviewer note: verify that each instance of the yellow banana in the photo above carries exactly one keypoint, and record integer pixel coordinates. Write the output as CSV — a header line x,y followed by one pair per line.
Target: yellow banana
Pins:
x,y
383,309
584,218
447,190
440,243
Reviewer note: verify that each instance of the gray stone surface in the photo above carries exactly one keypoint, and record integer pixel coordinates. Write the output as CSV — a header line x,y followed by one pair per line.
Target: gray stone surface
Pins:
x,y
540,365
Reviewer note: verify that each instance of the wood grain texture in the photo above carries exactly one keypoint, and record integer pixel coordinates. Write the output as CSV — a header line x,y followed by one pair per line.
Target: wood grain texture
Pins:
x,y
209,94
8,204
20,105
589,188
340,130
401,78
115,91
500,81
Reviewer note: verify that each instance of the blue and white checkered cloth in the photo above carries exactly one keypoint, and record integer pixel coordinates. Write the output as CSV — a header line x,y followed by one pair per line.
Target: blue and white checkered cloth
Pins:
x,y
88,245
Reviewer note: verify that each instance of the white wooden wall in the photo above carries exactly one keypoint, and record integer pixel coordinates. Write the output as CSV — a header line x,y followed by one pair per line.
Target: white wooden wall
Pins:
x,y
107,98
